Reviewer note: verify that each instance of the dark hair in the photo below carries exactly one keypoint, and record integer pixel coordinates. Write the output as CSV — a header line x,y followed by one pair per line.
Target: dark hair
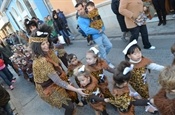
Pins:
x,y
78,4
36,49
118,76
44,28
55,40
90,4
70,57
131,50
34,18
30,23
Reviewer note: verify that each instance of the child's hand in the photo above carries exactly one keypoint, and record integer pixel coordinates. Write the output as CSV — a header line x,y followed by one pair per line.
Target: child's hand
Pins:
x,y
145,8
100,30
106,100
152,101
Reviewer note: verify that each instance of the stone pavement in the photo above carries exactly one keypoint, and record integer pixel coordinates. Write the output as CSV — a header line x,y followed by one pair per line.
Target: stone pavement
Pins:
x,y
24,98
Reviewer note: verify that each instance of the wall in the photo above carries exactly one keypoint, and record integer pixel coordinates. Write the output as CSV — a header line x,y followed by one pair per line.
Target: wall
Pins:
x,y
67,5
40,9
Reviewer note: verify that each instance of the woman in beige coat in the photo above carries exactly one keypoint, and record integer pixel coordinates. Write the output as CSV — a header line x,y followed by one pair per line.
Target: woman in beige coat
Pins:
x,y
132,11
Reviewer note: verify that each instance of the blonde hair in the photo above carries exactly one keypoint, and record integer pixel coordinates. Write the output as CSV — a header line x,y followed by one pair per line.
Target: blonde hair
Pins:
x,y
167,78
78,73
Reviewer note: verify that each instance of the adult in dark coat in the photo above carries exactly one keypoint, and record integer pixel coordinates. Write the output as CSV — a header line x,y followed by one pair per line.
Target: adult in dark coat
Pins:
x,y
120,18
159,5
5,54
4,101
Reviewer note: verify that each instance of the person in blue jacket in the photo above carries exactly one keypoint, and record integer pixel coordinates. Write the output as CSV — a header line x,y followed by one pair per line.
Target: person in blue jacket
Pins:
x,y
98,36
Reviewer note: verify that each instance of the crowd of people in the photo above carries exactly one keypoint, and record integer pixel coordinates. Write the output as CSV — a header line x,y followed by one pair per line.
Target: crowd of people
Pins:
x,y
37,55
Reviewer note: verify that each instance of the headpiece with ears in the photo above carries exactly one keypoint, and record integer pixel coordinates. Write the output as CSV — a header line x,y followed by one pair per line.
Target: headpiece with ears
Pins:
x,y
82,68
128,69
129,45
41,37
95,50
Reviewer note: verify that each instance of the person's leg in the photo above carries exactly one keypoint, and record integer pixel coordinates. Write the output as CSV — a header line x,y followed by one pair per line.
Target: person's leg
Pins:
x,y
123,27
69,109
144,35
163,10
156,4
107,43
7,73
102,49
67,37
4,77
134,33
8,109
173,4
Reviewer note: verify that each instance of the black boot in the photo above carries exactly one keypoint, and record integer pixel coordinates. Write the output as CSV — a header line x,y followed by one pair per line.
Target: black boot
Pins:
x,y
160,22
164,20
68,40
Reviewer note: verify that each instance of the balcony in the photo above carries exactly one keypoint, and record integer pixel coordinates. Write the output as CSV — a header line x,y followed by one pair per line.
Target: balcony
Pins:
x,y
3,21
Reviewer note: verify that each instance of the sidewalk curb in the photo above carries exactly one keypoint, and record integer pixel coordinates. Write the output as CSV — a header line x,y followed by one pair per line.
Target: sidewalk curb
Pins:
x,y
151,34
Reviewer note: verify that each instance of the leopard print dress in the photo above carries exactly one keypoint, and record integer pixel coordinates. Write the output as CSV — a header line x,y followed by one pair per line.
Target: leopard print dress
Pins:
x,y
89,89
137,81
41,69
96,70
122,100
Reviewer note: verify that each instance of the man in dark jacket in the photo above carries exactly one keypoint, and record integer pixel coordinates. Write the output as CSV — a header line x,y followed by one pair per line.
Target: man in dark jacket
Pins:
x,y
120,18
4,101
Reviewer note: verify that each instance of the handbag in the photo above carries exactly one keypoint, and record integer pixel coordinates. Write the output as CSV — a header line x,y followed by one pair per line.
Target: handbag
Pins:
x,y
141,19
61,40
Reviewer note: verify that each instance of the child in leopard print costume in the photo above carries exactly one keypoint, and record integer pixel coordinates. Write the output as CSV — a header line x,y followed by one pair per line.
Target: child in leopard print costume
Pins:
x,y
142,65
96,21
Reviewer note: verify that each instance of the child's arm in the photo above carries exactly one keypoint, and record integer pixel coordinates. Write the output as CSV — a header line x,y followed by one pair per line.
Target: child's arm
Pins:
x,y
154,66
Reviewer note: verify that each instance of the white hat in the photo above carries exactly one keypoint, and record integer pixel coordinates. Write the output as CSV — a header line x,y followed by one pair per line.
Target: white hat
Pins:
x,y
129,45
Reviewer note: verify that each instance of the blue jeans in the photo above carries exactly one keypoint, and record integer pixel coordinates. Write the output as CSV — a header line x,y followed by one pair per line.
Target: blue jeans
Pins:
x,y
7,109
6,76
104,46
64,34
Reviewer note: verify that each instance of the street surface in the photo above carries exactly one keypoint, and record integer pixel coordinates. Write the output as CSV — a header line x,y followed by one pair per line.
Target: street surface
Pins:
x,y
26,101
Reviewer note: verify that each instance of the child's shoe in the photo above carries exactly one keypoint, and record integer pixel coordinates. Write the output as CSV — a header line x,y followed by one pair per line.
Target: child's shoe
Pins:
x,y
11,87
80,104
150,108
13,81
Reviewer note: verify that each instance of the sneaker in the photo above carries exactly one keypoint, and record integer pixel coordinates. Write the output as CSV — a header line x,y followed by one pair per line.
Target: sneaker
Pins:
x,y
89,43
13,81
80,104
111,65
11,87
150,108
152,48
173,16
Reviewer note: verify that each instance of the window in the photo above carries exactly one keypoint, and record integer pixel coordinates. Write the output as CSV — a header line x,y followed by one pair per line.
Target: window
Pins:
x,y
20,7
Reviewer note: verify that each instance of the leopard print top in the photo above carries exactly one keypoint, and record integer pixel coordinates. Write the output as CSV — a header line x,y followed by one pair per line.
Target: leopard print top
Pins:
x,y
96,21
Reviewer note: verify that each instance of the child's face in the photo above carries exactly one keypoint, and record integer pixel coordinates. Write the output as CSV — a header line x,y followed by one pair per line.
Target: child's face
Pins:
x,y
90,8
136,56
84,81
74,61
24,62
90,59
